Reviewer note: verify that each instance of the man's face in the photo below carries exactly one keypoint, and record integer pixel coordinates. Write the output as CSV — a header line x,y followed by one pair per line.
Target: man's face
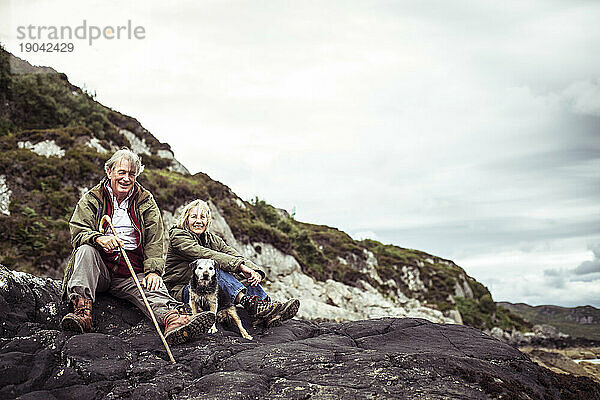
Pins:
x,y
122,177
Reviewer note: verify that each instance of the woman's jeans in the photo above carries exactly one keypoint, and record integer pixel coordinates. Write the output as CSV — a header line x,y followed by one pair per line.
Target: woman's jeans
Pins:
x,y
231,286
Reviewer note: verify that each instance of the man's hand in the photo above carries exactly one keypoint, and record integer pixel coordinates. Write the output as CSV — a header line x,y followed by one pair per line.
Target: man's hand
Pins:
x,y
109,242
254,277
152,281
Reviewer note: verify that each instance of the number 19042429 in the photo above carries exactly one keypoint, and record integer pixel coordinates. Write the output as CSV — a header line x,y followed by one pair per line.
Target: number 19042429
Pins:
x,y
47,47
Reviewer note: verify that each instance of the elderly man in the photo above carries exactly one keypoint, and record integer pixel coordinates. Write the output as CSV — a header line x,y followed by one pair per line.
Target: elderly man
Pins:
x,y
96,264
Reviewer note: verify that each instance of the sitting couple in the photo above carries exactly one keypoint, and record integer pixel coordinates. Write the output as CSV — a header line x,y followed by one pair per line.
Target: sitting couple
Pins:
x,y
96,264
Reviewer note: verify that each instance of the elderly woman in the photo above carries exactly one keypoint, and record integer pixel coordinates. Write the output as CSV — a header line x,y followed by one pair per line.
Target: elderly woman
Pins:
x,y
190,239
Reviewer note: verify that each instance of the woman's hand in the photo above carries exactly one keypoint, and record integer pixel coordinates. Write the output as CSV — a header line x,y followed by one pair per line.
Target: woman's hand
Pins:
x,y
254,277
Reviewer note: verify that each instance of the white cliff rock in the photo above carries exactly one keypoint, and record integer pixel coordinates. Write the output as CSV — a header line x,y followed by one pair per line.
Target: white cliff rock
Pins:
x,y
412,277
94,143
5,193
339,302
366,265
47,148
221,228
467,288
455,315
137,146
175,166
462,288
275,262
170,218
458,290
329,300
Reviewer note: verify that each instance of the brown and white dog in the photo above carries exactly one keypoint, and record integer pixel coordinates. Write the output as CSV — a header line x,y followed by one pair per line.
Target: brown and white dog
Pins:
x,y
206,295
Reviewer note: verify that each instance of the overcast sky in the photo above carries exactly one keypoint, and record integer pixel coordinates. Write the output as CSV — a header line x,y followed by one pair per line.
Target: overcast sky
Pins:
x,y
469,130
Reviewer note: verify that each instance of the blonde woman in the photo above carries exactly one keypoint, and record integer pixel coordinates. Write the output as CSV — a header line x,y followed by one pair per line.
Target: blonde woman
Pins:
x,y
191,239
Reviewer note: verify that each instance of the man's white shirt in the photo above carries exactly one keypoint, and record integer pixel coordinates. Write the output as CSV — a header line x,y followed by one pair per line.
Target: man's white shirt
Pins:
x,y
123,225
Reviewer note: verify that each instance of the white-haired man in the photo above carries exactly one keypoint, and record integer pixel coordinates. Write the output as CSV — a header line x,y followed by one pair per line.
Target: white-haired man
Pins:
x,y
96,264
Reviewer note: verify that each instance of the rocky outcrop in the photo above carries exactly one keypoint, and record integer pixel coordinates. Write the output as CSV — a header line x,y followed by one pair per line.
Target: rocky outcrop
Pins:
x,y
19,66
538,334
383,358
47,148
329,300
5,193
137,145
582,321
542,336
94,143
175,166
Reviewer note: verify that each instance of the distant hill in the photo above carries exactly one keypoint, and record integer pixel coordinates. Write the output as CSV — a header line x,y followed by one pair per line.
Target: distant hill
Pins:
x,y
581,322
54,140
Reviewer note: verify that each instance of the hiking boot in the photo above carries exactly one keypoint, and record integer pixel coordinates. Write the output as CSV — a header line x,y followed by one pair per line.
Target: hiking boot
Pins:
x,y
261,309
80,320
184,309
182,328
286,311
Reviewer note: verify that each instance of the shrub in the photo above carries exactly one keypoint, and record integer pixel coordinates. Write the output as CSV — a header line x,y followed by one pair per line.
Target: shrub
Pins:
x,y
471,314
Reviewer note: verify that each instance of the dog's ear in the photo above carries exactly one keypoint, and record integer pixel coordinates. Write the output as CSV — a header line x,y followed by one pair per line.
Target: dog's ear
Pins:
x,y
194,280
216,264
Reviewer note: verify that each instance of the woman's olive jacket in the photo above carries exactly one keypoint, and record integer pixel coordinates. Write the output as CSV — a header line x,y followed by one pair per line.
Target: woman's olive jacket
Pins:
x,y
186,246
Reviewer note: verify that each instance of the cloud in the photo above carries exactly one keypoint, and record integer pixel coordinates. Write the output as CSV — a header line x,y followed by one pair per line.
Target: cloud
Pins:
x,y
555,278
588,272
591,277
589,267
595,248
541,275
553,272
535,290
584,97
556,282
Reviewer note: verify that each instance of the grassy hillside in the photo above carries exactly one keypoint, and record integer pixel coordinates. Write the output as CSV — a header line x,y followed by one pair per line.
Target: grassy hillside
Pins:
x,y
41,105
583,322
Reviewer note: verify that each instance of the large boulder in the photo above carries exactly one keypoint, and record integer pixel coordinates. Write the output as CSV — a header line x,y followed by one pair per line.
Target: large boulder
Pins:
x,y
381,358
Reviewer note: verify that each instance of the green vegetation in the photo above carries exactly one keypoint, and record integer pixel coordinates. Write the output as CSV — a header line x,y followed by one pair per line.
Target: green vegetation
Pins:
x,y
484,314
290,236
441,277
34,242
171,189
39,101
36,234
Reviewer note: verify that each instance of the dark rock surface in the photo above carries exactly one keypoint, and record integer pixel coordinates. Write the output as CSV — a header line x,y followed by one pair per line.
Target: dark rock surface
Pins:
x,y
384,358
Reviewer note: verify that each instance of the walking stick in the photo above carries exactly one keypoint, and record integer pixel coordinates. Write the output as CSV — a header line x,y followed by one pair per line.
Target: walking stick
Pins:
x,y
137,283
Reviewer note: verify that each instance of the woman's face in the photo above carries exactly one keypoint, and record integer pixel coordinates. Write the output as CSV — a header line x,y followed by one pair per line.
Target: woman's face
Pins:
x,y
198,223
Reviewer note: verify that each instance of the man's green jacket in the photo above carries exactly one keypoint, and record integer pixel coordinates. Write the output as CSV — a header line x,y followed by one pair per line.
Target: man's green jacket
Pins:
x,y
84,227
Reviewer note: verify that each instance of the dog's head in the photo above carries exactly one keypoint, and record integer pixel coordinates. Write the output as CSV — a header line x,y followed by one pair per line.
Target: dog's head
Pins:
x,y
204,271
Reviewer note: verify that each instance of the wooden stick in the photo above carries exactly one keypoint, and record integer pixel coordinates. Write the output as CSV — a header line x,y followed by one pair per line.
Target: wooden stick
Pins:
x,y
137,283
